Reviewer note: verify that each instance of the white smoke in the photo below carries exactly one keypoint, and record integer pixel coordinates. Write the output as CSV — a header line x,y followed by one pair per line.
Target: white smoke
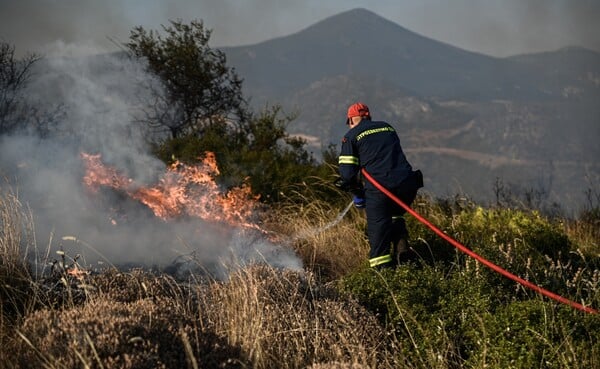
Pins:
x,y
102,97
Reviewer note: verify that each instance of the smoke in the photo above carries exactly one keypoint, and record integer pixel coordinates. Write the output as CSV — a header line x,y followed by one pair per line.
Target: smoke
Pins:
x,y
34,25
102,96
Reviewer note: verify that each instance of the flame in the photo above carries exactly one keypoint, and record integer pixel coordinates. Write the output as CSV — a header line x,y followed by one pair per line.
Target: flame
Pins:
x,y
184,190
77,272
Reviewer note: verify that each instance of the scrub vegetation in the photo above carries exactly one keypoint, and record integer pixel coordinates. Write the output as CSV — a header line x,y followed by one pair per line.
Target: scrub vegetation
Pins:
x,y
443,310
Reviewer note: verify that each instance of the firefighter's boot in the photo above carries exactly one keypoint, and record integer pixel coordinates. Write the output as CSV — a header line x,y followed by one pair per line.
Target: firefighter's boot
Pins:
x,y
402,252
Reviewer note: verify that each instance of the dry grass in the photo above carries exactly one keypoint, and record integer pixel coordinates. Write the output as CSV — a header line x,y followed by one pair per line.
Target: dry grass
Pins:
x,y
17,295
337,365
260,318
15,236
327,248
135,285
586,234
128,320
285,320
147,333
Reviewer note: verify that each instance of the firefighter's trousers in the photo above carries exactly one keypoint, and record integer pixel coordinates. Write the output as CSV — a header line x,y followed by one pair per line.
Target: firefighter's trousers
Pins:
x,y
385,221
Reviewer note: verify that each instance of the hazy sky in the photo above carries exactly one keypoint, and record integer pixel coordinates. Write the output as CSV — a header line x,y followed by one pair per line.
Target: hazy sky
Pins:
x,y
493,27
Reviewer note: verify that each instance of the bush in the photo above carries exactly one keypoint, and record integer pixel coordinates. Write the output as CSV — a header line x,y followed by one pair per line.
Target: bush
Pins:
x,y
524,243
454,312
528,334
585,231
259,153
197,85
429,311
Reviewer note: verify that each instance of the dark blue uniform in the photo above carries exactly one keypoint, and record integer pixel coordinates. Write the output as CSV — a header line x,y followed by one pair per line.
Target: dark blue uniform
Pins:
x,y
375,146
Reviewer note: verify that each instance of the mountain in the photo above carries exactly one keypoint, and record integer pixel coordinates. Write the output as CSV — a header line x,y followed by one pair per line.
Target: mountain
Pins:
x,y
568,72
361,43
465,118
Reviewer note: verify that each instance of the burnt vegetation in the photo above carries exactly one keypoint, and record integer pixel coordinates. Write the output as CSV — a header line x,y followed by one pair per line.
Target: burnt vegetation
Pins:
x,y
443,310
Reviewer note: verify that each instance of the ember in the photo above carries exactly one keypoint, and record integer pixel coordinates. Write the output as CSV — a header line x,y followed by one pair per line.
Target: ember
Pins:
x,y
184,190
77,272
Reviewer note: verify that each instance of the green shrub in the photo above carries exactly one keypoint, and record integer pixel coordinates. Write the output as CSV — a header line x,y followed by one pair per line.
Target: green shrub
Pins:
x,y
449,308
430,310
525,243
536,334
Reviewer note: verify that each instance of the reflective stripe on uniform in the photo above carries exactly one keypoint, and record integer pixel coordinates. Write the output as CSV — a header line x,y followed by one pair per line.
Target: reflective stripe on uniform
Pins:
x,y
380,260
346,159
375,130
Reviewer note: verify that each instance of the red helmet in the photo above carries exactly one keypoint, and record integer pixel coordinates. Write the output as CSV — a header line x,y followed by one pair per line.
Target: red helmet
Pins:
x,y
357,110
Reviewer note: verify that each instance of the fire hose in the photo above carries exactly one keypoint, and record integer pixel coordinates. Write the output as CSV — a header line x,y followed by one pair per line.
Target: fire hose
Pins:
x,y
467,251
318,230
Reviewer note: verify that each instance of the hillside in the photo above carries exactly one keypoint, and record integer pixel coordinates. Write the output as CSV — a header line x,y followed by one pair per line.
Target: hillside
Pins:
x,y
465,118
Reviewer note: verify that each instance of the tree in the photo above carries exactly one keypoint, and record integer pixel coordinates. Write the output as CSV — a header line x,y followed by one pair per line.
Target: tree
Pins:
x,y
260,153
198,88
201,107
14,75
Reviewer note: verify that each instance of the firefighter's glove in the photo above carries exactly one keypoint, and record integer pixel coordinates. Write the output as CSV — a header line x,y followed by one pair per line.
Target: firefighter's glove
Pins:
x,y
347,186
359,202
341,184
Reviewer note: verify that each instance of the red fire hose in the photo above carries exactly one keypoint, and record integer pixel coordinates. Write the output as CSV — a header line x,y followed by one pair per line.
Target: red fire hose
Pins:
x,y
464,249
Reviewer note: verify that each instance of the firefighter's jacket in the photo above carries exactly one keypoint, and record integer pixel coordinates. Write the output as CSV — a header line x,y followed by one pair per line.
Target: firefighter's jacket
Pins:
x,y
375,146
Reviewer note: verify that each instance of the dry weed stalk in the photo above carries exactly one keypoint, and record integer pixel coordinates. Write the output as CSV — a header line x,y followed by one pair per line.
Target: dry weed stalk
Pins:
x,y
585,234
17,292
16,236
16,288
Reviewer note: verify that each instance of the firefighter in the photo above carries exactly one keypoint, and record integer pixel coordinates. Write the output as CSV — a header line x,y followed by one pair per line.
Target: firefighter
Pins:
x,y
375,146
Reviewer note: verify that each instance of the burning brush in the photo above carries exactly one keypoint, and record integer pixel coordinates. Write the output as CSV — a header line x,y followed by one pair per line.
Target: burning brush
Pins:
x,y
68,281
185,193
184,190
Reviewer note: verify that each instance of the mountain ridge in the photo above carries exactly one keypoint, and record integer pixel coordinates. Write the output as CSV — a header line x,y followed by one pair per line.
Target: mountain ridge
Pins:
x,y
363,43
